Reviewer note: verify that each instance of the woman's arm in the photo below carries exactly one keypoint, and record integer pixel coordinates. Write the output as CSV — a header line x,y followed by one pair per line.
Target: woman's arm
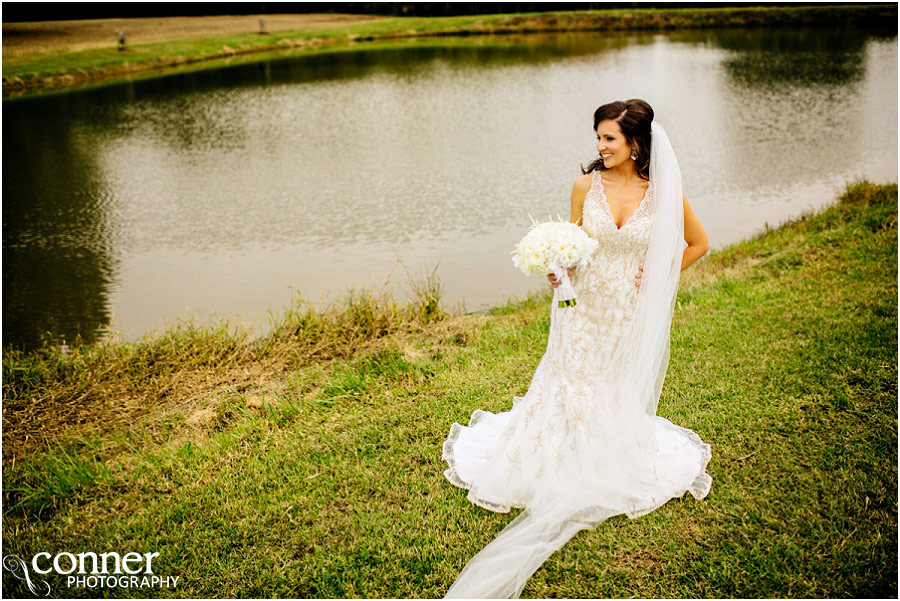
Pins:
x,y
694,235
579,193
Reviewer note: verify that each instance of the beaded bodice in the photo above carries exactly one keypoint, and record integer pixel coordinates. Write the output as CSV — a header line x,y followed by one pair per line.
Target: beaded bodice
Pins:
x,y
593,335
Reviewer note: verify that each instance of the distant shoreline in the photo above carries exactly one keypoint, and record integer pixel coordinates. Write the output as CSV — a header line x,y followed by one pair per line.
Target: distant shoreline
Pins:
x,y
70,54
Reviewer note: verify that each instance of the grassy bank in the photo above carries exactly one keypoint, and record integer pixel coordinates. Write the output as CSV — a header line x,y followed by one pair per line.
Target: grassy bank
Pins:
x,y
317,472
63,70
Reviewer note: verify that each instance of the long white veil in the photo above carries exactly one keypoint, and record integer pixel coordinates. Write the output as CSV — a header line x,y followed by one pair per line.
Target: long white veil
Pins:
x,y
662,270
568,501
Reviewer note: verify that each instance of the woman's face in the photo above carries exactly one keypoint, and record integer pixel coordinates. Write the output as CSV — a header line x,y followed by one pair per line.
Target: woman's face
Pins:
x,y
611,144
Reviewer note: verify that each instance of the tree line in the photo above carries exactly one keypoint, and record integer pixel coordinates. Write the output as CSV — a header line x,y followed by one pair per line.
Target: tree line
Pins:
x,y
65,11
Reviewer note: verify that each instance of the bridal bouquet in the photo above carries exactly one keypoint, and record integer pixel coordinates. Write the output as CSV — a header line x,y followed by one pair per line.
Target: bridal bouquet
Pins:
x,y
554,246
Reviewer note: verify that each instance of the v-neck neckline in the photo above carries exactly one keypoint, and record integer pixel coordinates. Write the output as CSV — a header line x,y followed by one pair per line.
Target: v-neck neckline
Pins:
x,y
602,193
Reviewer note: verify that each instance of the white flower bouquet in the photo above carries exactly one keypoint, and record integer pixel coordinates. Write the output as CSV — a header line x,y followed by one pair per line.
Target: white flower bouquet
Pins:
x,y
555,246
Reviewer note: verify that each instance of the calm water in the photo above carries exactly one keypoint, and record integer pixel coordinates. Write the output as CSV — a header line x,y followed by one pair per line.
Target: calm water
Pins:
x,y
224,194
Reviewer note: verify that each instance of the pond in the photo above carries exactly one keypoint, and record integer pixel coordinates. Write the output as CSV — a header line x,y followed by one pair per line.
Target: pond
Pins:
x,y
229,193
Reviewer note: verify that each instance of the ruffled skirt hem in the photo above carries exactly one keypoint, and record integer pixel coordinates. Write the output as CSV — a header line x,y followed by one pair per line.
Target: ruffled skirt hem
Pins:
x,y
699,488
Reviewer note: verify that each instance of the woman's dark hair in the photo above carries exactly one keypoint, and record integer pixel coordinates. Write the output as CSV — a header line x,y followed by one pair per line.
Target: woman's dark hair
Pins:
x,y
634,117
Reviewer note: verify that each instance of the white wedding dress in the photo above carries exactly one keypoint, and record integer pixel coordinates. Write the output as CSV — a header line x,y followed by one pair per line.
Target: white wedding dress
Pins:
x,y
577,448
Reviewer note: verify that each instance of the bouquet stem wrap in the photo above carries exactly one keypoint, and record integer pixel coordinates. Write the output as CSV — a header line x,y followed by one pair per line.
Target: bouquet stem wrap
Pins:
x,y
564,294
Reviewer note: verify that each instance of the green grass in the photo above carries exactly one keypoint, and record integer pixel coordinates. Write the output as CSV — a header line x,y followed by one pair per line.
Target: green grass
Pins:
x,y
29,74
323,477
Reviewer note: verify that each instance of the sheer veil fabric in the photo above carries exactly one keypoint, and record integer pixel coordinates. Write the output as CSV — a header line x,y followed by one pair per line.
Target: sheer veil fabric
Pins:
x,y
616,456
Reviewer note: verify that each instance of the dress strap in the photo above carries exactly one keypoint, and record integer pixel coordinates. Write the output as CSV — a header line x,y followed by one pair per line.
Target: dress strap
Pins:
x,y
596,183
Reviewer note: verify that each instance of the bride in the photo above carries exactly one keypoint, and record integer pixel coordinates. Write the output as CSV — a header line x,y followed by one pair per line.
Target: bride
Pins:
x,y
585,443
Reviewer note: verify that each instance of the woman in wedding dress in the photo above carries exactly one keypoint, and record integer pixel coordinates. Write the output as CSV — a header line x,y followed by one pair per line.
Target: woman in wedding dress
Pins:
x,y
585,443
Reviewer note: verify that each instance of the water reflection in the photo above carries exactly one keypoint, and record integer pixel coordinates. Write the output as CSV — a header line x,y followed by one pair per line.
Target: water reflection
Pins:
x,y
58,247
806,57
220,191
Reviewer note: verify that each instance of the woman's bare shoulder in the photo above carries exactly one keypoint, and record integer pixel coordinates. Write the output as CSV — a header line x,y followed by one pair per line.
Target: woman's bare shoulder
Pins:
x,y
582,184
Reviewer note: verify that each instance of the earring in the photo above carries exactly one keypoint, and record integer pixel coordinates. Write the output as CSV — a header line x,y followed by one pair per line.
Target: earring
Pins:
x,y
633,156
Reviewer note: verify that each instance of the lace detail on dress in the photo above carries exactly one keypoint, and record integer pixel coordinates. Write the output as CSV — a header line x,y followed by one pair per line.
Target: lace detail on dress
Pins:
x,y
577,431
590,339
